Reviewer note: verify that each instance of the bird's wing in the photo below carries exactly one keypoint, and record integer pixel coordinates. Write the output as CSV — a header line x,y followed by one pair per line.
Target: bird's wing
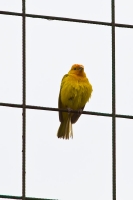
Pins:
x,y
75,116
59,100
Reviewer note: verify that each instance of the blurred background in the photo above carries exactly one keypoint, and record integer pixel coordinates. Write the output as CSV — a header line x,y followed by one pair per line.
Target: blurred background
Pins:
x,y
80,168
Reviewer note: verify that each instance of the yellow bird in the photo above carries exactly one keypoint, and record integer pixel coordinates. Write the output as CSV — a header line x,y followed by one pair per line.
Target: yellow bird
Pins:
x,y
74,93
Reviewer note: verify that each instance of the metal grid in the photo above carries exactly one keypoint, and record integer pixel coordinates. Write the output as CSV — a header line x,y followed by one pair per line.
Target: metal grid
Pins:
x,y
24,106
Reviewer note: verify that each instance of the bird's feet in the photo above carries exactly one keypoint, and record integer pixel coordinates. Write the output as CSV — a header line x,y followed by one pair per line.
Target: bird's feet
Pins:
x,y
79,111
69,110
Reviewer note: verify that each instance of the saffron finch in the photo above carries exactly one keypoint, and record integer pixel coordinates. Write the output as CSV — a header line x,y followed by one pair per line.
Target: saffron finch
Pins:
x,y
74,93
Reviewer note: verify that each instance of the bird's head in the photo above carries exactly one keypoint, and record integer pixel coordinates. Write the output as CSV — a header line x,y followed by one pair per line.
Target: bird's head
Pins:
x,y
77,69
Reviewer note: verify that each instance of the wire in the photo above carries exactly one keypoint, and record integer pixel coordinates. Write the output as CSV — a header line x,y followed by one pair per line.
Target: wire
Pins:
x,y
67,19
113,106
24,101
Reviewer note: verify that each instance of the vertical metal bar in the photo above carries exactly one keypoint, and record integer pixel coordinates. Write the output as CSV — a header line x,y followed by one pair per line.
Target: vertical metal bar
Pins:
x,y
113,106
24,101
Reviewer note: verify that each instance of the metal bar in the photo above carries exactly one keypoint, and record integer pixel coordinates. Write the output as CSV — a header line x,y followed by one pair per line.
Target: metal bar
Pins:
x,y
10,197
12,105
113,106
10,13
19,197
67,19
65,110
123,25
24,101
56,18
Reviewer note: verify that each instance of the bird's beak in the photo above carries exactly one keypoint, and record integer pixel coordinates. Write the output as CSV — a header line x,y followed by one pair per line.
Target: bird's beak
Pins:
x,y
81,68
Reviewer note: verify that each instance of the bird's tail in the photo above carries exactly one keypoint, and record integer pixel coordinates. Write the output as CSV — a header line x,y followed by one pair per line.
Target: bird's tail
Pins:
x,y
65,130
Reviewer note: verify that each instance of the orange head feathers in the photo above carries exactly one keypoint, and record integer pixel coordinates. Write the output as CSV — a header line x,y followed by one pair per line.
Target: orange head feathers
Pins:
x,y
77,69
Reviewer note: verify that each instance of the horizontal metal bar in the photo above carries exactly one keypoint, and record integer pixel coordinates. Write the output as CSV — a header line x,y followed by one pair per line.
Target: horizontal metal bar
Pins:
x,y
56,18
10,197
65,110
123,25
67,19
12,105
10,13
20,197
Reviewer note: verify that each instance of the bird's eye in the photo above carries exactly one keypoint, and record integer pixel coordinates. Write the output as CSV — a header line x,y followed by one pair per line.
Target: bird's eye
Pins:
x,y
75,68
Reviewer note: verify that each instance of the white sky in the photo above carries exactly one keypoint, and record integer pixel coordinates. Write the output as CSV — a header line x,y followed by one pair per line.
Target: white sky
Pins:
x,y
57,169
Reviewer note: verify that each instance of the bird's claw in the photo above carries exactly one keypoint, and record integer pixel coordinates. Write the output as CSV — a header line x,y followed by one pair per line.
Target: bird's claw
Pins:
x,y
69,110
80,111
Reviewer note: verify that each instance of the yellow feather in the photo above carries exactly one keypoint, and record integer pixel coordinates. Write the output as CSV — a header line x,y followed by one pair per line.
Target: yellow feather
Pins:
x,y
75,91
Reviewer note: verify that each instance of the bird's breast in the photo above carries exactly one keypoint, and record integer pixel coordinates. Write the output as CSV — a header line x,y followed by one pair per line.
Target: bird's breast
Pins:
x,y
75,92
